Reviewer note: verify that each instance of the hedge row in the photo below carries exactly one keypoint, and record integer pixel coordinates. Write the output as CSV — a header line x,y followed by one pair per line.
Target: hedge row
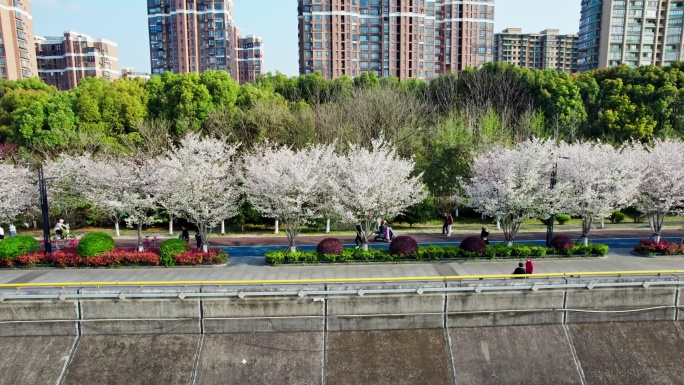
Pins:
x,y
114,258
433,253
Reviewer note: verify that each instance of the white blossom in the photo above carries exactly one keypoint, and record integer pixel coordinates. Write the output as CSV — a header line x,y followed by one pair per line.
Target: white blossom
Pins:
x,y
287,184
201,183
376,183
599,180
19,190
512,185
122,185
662,187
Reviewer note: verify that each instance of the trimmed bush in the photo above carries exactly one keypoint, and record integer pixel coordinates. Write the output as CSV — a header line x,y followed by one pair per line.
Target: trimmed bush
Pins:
x,y
562,243
332,246
563,218
170,249
403,245
95,244
13,247
617,217
474,245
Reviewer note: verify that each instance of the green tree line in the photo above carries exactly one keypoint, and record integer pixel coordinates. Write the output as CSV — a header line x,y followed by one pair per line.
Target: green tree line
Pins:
x,y
440,123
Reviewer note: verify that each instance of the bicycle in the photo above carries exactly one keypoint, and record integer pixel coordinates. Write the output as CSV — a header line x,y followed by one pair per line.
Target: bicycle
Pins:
x,y
67,240
151,243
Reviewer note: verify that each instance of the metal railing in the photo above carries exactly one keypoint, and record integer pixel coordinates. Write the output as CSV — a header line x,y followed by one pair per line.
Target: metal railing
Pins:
x,y
142,284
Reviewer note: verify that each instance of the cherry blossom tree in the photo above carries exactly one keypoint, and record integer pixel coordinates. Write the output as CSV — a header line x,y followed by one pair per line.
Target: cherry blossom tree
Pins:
x,y
287,184
513,184
375,182
64,185
599,180
662,186
124,185
203,187
19,190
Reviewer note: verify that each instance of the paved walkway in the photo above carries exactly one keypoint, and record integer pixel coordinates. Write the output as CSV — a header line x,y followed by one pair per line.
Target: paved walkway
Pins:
x,y
251,268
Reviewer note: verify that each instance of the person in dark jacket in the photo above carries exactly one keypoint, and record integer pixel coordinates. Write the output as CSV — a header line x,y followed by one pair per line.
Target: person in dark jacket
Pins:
x,y
359,235
198,239
185,234
484,234
445,224
520,269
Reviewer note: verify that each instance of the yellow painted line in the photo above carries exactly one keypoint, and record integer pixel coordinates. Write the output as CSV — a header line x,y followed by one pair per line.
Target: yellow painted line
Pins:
x,y
339,280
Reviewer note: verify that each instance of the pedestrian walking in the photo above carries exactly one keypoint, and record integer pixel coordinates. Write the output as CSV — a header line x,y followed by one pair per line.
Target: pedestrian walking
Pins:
x,y
12,230
450,222
529,266
359,235
2,233
445,223
484,234
185,234
198,239
520,269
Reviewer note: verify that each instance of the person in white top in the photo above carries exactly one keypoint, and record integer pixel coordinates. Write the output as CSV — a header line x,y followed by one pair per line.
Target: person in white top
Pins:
x,y
2,233
13,230
60,227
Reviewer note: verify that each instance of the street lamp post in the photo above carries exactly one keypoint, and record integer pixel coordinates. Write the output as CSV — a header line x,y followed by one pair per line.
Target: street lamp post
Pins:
x,y
44,208
552,218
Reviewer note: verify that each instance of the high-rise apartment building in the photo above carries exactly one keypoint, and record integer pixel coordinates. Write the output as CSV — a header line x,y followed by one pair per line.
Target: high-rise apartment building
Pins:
x,y
129,73
64,60
404,38
250,58
17,60
631,32
547,49
192,36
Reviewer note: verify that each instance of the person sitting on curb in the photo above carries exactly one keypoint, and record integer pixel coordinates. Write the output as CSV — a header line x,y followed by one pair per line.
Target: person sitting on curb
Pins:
x,y
520,269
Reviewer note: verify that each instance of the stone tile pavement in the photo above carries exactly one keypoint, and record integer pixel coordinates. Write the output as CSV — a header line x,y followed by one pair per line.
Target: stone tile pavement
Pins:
x,y
247,269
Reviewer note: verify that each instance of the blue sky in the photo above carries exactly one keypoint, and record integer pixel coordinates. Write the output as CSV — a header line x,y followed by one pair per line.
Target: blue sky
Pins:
x,y
125,22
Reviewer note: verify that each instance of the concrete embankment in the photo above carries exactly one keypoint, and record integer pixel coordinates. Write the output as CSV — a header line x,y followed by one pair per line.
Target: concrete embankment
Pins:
x,y
561,331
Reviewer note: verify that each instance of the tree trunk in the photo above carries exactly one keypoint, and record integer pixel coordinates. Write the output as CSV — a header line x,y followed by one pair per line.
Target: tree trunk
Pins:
x,y
603,223
116,227
327,226
276,227
140,242
35,225
223,227
456,212
586,228
171,224
498,224
655,219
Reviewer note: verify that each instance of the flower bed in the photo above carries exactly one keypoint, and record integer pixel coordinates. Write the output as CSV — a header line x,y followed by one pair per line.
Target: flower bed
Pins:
x,y
650,248
114,258
435,253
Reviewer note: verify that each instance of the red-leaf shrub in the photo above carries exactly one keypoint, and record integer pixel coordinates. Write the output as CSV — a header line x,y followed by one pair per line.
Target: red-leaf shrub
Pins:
x,y
662,247
562,243
474,245
116,257
330,246
197,257
403,245
675,249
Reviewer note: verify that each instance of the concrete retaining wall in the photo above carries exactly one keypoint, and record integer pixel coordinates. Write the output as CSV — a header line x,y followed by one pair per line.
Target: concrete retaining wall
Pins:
x,y
349,334
337,308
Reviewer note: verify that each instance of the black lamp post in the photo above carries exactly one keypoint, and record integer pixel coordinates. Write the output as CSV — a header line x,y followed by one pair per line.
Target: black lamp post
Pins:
x,y
552,218
44,207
